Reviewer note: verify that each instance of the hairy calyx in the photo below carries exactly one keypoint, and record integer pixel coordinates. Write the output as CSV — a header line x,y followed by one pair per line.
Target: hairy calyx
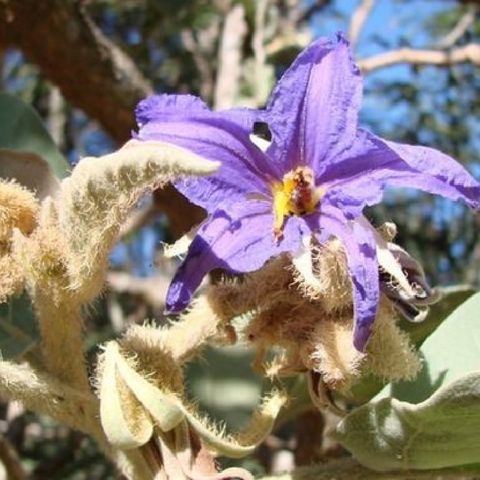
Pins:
x,y
295,195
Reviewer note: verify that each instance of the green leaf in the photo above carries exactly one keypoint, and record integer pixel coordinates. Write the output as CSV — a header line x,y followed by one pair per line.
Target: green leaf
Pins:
x,y
18,332
439,425
452,297
440,432
450,352
30,170
22,129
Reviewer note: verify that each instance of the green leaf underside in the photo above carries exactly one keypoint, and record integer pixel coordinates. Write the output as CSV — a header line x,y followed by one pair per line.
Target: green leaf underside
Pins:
x,y
23,130
452,298
433,422
452,351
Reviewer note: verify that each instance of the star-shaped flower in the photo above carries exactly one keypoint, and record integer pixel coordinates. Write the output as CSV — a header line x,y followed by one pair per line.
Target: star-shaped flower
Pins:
x,y
313,179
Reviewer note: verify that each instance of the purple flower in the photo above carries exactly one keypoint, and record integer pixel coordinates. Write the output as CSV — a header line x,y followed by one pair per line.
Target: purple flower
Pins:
x,y
316,176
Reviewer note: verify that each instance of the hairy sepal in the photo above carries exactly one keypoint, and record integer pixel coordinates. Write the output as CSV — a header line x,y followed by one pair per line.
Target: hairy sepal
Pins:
x,y
244,442
124,416
125,422
18,209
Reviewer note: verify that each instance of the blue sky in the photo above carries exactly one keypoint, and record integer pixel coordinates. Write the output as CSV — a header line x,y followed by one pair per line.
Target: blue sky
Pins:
x,y
389,20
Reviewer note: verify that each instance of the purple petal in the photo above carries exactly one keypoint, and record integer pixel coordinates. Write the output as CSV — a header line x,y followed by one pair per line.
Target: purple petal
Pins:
x,y
359,178
360,248
441,174
313,109
162,107
185,121
241,240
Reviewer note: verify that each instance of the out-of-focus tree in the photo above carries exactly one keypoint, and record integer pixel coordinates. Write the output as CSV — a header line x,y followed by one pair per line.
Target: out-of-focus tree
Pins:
x,y
84,64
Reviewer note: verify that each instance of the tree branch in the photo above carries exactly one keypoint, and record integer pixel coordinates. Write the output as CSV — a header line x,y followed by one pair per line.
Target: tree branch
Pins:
x,y
230,59
11,461
92,72
258,45
460,28
468,53
201,61
359,17
301,15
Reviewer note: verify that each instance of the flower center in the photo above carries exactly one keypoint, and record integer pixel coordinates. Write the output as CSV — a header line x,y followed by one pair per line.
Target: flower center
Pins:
x,y
295,195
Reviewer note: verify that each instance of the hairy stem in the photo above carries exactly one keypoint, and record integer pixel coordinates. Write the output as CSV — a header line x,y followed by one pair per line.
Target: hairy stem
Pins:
x,y
44,394
61,329
184,338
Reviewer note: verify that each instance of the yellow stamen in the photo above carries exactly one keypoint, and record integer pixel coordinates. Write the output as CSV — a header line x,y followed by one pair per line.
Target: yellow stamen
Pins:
x,y
280,208
295,195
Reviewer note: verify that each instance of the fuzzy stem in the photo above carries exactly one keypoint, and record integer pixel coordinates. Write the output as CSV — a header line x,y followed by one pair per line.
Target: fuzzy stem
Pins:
x,y
183,339
43,394
192,332
61,329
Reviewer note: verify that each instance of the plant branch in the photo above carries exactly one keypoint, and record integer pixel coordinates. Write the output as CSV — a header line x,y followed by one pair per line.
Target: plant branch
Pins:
x,y
460,28
92,72
358,20
201,61
11,461
258,45
61,328
184,338
230,57
44,394
468,53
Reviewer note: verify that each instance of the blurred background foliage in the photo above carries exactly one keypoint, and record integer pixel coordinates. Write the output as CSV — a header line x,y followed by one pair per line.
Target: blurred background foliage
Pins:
x,y
230,53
